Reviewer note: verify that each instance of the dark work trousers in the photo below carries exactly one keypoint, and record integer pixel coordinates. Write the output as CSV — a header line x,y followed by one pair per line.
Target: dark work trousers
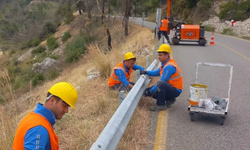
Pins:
x,y
165,33
164,92
121,87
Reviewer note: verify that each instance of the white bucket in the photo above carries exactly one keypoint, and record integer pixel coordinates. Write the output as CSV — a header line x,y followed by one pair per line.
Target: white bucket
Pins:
x,y
197,92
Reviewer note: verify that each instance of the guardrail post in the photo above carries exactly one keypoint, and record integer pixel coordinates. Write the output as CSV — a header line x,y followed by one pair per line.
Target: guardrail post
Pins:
x,y
137,74
121,96
143,16
153,55
148,61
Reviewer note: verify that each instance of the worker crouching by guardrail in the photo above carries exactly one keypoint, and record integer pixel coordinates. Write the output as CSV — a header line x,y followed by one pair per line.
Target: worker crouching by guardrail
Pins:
x,y
119,79
171,82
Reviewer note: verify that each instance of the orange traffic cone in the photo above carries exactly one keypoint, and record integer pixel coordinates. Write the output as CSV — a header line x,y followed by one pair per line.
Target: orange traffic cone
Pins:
x,y
212,39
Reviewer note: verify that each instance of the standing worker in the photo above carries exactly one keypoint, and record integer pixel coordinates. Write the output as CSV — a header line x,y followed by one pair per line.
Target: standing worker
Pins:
x,y
164,27
171,83
35,130
119,79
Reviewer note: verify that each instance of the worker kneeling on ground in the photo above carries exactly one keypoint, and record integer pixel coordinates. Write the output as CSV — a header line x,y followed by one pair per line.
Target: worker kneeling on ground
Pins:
x,y
171,83
35,130
119,79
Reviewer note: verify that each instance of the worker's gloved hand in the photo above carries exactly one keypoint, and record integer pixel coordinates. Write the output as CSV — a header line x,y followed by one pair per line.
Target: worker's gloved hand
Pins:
x,y
143,72
147,92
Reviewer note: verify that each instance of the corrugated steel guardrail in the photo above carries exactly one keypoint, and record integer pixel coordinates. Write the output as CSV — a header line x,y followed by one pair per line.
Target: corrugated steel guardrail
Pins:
x,y
112,133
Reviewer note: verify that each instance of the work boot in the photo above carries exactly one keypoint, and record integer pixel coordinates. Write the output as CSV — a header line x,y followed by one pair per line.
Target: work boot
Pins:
x,y
158,108
170,103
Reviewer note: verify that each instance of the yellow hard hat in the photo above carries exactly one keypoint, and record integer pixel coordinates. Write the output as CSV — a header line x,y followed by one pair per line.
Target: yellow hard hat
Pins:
x,y
66,92
129,55
164,48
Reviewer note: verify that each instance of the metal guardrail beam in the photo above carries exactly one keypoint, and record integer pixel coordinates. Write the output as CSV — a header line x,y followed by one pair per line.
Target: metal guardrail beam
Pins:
x,y
112,133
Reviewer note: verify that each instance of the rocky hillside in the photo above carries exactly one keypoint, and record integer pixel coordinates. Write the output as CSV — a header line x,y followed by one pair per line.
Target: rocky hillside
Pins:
x,y
216,15
240,28
227,11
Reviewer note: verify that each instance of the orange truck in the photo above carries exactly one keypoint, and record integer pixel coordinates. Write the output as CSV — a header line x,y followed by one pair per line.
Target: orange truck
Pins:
x,y
187,32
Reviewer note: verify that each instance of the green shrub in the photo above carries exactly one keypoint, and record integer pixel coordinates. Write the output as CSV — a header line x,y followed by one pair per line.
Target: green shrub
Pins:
x,y
209,28
2,101
7,63
235,11
51,41
53,74
12,52
37,79
48,29
15,62
40,57
227,10
69,18
26,44
77,47
191,3
204,7
64,12
35,42
8,28
13,71
228,31
27,75
66,36
40,49
54,57
246,37
19,82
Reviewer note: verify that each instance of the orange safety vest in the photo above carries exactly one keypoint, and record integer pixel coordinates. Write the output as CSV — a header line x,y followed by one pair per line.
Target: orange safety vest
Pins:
x,y
176,79
30,121
164,25
113,79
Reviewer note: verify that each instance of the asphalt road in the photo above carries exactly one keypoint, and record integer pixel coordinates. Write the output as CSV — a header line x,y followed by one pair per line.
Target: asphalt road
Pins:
x,y
205,133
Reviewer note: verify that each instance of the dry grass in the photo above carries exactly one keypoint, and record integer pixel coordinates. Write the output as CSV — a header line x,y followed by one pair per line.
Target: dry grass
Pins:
x,y
6,127
79,129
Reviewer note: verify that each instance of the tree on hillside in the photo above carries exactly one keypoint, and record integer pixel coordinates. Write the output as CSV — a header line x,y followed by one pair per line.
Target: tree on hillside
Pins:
x,y
127,14
138,6
89,5
103,6
80,6
105,24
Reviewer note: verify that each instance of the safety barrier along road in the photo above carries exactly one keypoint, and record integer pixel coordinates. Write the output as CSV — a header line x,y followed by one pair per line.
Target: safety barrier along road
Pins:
x,y
112,133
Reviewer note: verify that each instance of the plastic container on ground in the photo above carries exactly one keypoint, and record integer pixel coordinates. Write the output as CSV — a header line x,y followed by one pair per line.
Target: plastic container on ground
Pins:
x,y
197,92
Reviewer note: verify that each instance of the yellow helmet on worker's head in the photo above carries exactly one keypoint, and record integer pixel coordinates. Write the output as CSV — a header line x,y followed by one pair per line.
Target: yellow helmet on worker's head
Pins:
x,y
129,55
164,48
66,92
